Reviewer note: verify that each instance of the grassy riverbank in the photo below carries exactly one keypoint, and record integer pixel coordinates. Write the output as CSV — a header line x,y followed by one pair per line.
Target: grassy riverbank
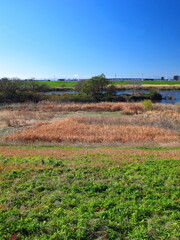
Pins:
x,y
89,193
54,84
89,171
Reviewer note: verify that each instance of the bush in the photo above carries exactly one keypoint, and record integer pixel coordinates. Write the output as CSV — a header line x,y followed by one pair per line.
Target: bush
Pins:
x,y
147,104
111,90
177,106
154,94
68,97
21,91
93,86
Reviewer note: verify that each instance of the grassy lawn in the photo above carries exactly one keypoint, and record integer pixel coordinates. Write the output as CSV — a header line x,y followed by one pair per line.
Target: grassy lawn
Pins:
x,y
92,195
73,83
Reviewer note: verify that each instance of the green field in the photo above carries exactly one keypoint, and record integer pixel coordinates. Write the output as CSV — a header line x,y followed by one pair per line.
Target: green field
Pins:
x,y
73,83
147,82
89,196
59,83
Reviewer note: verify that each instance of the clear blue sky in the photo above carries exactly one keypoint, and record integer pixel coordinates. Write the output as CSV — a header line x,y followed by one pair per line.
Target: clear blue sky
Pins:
x,y
84,38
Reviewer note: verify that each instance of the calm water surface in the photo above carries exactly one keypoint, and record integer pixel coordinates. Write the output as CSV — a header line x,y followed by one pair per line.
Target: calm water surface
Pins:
x,y
169,96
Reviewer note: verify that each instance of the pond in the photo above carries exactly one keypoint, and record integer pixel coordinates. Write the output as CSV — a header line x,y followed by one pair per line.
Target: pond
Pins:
x,y
169,96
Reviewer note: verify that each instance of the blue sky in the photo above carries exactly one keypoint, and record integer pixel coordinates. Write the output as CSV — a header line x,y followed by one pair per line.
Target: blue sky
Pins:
x,y
84,38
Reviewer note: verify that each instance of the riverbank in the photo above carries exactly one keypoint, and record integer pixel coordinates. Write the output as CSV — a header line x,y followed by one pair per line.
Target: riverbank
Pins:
x,y
128,87
148,86
89,193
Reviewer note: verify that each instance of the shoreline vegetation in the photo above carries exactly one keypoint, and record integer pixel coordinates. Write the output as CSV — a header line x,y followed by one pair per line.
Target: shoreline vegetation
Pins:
x,y
128,87
95,89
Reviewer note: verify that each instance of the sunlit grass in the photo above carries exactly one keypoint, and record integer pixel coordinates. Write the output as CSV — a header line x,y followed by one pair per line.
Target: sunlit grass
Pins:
x,y
73,83
90,196
59,83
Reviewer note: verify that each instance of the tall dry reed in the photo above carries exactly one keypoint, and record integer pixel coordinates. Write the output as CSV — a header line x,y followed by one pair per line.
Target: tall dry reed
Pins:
x,y
87,130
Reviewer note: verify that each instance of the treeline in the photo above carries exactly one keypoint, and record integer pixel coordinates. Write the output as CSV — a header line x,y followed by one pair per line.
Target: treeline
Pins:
x,y
99,88
21,91
95,89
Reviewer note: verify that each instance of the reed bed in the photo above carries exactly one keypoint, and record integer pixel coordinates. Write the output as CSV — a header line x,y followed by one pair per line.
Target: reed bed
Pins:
x,y
24,117
47,106
161,124
93,130
104,106
101,106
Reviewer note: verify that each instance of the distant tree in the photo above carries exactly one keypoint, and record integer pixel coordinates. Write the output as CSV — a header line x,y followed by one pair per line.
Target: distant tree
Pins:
x,y
93,86
7,89
79,86
21,91
33,86
136,87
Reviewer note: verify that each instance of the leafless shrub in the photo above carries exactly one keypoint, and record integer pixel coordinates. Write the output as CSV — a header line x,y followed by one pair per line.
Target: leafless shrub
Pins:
x,y
164,120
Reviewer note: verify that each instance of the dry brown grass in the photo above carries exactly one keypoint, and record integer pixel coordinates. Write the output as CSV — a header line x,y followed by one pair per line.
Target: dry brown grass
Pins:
x,y
47,106
149,86
160,125
126,108
93,130
164,119
132,108
22,117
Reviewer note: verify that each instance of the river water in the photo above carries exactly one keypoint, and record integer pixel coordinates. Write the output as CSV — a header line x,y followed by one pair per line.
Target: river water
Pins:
x,y
169,96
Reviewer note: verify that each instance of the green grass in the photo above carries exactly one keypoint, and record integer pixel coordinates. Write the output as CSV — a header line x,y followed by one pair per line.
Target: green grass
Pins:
x,y
146,82
93,147
73,83
46,198
59,83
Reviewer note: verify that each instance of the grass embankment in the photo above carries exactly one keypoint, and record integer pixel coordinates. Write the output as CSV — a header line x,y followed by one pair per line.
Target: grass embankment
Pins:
x,y
71,84
89,194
